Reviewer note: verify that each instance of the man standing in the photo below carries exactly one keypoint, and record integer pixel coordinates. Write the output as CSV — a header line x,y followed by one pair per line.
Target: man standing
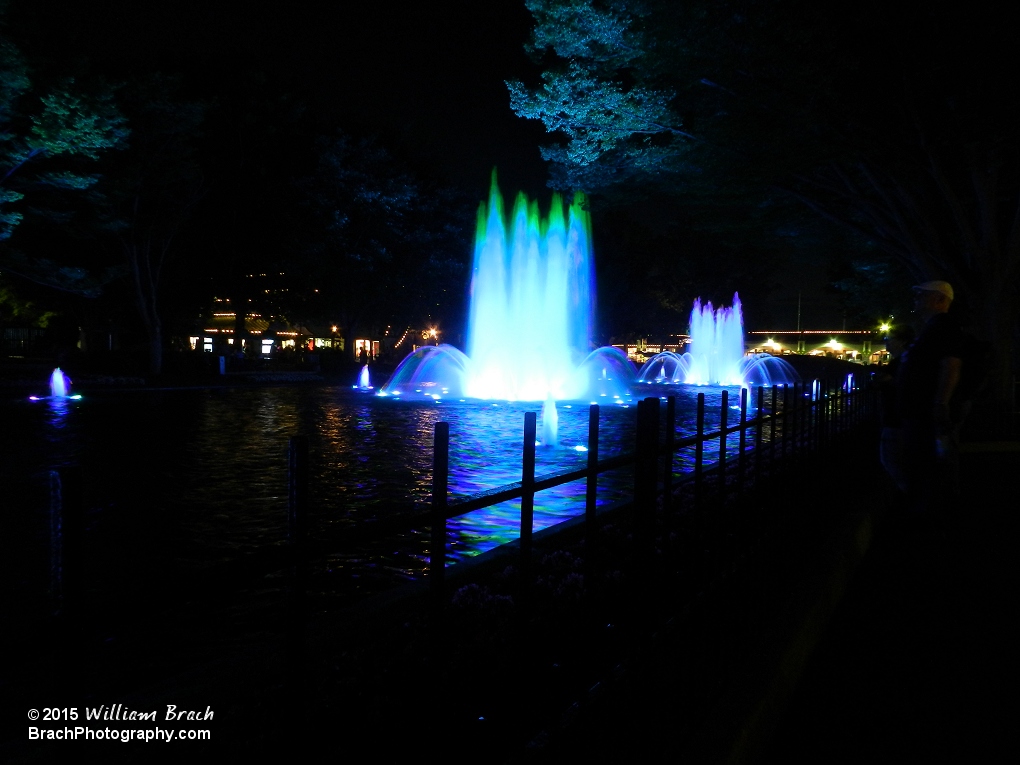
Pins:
x,y
928,378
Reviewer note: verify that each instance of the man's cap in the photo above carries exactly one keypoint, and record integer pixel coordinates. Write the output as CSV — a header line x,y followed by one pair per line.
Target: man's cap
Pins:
x,y
936,286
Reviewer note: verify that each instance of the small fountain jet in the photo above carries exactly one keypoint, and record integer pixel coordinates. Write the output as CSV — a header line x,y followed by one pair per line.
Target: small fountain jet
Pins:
x,y
363,380
60,388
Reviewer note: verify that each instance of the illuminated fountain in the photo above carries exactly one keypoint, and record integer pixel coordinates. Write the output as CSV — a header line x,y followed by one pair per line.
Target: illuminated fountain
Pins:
x,y
532,296
59,384
364,381
60,388
716,354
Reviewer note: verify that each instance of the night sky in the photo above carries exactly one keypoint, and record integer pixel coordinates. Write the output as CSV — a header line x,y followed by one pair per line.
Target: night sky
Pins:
x,y
426,78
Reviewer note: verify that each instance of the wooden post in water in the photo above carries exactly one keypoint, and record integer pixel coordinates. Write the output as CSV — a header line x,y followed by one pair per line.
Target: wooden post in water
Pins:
x,y
440,485
651,477
528,488
297,489
67,525
641,459
297,512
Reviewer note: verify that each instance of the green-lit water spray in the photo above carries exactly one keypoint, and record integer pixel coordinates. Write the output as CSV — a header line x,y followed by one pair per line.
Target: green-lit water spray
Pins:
x,y
530,323
532,296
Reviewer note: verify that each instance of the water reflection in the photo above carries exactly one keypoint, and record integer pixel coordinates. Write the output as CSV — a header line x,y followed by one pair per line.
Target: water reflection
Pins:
x,y
193,477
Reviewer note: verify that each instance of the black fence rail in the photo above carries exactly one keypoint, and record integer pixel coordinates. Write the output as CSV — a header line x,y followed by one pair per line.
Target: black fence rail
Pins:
x,y
787,422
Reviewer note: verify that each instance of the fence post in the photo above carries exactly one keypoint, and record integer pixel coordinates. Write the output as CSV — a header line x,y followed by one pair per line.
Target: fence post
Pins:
x,y
645,477
591,486
799,428
440,485
786,420
823,403
760,417
816,419
774,399
667,478
528,487
723,421
67,524
590,496
742,457
803,415
699,452
297,512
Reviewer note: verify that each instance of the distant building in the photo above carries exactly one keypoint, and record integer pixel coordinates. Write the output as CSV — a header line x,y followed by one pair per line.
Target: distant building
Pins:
x,y
258,335
643,349
862,345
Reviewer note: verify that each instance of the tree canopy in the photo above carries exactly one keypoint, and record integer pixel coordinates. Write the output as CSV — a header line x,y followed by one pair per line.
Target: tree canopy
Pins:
x,y
51,139
895,122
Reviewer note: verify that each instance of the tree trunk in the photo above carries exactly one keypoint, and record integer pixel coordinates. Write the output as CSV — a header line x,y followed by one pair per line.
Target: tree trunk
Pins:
x,y
155,349
349,337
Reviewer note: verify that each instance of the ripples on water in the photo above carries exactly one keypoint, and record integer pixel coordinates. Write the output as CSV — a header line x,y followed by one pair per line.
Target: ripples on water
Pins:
x,y
199,476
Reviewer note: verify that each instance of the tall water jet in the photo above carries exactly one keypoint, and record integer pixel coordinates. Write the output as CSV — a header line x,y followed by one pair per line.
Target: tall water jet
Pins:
x,y
532,299
717,344
59,384
532,293
364,382
715,354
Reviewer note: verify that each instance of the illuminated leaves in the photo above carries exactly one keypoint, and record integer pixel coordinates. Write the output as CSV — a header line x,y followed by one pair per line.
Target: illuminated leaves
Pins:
x,y
68,123
593,94
595,114
44,139
578,29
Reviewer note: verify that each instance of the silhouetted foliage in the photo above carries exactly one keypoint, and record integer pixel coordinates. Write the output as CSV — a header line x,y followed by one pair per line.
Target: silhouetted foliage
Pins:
x,y
379,249
896,122
149,192
52,136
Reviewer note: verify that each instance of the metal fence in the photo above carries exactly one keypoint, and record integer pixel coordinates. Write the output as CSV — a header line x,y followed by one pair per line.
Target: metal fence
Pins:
x,y
788,422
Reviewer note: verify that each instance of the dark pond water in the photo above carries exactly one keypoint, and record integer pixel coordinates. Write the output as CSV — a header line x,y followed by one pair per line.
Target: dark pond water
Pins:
x,y
188,478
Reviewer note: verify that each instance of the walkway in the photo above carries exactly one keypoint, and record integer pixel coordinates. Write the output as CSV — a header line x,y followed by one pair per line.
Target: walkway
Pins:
x,y
908,667
913,667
